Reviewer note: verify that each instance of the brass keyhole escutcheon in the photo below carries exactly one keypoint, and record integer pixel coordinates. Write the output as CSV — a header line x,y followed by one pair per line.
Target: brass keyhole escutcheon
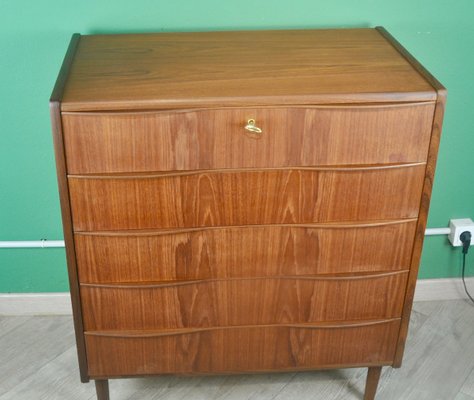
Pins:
x,y
251,127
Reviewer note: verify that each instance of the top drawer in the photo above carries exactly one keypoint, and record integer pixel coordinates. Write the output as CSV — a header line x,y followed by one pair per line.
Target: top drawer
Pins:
x,y
217,138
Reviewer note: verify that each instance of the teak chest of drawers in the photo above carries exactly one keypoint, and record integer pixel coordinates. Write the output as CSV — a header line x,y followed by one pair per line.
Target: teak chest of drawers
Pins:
x,y
243,201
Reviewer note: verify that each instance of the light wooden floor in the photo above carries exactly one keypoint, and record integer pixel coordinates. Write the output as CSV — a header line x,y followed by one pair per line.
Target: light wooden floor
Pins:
x,y
38,362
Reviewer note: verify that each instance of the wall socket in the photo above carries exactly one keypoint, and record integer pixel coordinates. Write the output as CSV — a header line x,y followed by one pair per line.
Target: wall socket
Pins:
x,y
457,227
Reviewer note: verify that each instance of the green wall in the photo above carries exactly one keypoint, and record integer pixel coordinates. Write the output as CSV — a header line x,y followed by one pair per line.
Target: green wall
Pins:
x,y
33,39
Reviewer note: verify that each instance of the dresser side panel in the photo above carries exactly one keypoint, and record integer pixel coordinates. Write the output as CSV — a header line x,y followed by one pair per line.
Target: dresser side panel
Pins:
x,y
57,130
427,187
422,220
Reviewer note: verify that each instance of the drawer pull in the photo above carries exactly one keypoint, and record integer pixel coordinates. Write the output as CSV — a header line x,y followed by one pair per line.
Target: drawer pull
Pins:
x,y
251,126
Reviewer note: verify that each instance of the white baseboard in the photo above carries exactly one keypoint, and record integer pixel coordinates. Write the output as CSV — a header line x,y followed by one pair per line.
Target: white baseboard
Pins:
x,y
60,303
35,304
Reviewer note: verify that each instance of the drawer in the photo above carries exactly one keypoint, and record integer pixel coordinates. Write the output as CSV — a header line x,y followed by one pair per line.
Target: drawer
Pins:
x,y
238,252
216,138
239,349
245,197
242,301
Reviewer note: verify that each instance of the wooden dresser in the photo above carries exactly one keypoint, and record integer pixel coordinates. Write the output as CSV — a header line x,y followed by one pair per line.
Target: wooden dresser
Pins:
x,y
243,201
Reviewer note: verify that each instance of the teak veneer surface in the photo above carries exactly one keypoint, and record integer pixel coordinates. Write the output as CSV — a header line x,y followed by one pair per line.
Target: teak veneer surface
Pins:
x,y
242,301
207,139
243,349
179,70
245,197
270,250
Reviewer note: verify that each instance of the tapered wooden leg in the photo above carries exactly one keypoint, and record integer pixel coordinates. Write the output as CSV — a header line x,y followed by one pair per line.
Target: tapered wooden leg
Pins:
x,y
373,376
102,389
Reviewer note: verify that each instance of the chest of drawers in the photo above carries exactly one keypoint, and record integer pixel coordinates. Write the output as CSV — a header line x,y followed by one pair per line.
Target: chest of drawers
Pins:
x,y
243,201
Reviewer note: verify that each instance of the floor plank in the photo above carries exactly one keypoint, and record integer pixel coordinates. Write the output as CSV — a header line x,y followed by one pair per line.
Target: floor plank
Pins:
x,y
31,345
468,385
7,324
40,363
57,379
462,396
438,358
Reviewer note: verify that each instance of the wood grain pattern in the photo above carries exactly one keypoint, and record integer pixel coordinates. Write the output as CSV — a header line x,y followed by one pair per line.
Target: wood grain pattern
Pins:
x,y
57,130
245,197
242,301
231,252
250,251
209,139
248,349
182,70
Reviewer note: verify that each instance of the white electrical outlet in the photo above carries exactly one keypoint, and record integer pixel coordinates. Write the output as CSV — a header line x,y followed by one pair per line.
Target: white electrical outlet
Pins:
x,y
457,227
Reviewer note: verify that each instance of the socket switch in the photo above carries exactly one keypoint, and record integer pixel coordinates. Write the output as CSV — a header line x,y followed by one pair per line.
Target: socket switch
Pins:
x,y
458,226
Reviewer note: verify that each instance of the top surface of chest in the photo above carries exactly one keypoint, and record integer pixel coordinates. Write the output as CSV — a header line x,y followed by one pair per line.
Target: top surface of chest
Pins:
x,y
211,69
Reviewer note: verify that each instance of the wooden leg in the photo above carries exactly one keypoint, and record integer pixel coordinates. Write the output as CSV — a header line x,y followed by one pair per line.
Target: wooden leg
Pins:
x,y
102,389
373,376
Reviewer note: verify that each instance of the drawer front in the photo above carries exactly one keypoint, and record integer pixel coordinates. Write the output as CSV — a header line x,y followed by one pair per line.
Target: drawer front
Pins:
x,y
242,301
242,349
244,198
238,252
216,138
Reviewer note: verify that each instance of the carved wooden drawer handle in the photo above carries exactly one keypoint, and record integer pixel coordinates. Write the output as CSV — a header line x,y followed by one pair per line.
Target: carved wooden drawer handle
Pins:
x,y
251,126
